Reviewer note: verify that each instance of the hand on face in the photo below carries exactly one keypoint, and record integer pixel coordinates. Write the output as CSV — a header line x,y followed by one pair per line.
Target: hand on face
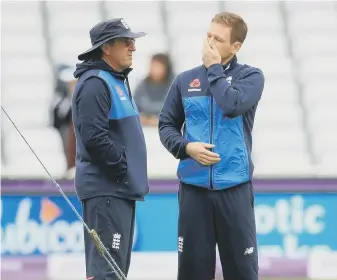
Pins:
x,y
211,54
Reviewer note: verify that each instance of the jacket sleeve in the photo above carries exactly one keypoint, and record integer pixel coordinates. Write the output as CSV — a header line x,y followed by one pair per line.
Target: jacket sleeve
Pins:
x,y
236,99
171,120
94,103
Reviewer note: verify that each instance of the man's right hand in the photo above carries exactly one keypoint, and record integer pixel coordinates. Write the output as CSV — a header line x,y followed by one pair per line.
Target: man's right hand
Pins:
x,y
199,152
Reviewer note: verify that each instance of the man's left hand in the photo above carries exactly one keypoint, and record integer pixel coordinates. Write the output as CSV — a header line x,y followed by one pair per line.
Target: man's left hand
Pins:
x,y
211,54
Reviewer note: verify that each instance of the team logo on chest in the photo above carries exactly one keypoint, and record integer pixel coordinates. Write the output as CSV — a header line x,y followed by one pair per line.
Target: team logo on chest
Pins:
x,y
120,93
195,85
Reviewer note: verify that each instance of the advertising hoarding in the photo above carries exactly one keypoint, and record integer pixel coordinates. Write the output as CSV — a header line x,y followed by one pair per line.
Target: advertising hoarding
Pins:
x,y
288,225
295,219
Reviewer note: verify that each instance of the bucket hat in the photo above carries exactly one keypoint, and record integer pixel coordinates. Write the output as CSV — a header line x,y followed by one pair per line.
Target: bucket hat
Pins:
x,y
107,30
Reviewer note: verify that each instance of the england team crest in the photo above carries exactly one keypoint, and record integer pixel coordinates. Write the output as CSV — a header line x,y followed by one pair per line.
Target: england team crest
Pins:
x,y
120,93
125,24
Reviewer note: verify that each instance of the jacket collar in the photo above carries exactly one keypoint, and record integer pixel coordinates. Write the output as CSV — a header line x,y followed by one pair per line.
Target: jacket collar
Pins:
x,y
230,64
121,75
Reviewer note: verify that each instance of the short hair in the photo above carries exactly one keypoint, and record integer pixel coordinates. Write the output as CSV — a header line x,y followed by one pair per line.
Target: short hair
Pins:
x,y
110,43
238,25
97,54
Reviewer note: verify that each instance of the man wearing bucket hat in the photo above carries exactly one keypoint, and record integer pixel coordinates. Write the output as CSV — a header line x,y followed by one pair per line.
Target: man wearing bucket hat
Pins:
x,y
111,172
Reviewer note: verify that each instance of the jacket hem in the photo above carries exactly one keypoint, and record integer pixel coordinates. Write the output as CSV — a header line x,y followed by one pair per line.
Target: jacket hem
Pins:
x,y
215,187
128,197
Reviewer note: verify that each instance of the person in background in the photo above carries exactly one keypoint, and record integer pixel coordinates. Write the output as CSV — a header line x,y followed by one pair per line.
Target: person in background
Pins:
x,y
71,147
150,93
61,110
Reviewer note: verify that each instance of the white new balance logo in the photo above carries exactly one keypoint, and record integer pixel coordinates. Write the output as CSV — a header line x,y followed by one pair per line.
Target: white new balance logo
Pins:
x,y
249,251
116,241
180,244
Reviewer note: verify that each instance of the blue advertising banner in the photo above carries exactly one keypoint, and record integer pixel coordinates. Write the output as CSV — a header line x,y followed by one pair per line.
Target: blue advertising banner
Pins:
x,y
292,225
35,225
288,225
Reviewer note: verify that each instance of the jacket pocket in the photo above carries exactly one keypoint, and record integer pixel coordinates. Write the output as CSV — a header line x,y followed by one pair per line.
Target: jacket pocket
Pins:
x,y
122,177
193,173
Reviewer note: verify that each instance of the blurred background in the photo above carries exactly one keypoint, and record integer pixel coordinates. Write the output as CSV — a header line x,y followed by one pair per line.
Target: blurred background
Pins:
x,y
294,144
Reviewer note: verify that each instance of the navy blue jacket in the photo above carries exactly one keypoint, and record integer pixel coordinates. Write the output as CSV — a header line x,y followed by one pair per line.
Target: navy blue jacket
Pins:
x,y
110,145
217,106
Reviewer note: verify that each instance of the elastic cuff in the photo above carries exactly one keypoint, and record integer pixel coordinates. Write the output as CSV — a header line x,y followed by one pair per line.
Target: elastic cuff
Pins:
x,y
215,69
182,150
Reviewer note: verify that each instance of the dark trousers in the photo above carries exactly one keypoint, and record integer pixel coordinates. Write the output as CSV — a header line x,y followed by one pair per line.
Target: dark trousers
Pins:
x,y
113,218
225,218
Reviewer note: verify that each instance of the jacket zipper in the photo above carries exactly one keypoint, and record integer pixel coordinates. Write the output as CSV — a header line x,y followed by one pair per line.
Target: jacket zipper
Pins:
x,y
211,136
127,87
211,142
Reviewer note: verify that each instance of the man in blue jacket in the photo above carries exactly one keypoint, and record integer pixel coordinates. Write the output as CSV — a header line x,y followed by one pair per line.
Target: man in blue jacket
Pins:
x,y
216,103
111,173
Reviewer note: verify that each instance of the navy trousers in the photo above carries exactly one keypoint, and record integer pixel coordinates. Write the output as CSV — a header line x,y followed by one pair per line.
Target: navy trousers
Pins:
x,y
222,217
113,219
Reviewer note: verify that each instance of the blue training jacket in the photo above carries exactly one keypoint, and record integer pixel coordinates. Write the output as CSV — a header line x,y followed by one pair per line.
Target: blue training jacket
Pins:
x,y
110,146
217,106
